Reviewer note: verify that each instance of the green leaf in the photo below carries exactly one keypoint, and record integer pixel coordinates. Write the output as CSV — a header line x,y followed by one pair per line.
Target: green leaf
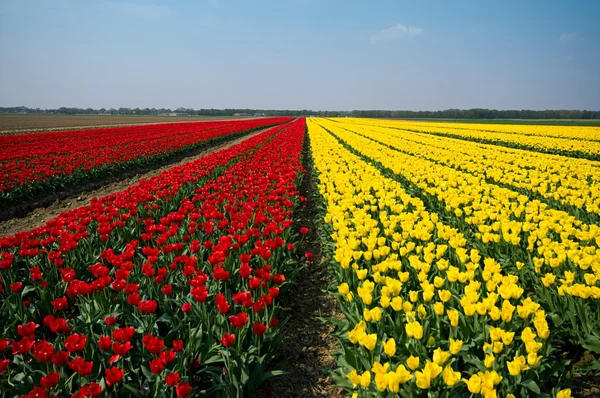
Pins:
x,y
532,385
133,390
592,343
27,290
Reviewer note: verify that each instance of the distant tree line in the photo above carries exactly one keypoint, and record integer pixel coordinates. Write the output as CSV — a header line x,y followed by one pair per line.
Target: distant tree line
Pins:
x,y
480,114
164,111
445,114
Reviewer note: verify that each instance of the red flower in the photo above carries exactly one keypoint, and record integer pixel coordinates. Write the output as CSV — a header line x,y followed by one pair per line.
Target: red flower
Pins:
x,y
245,271
290,246
186,307
274,322
43,351
259,328
110,321
147,306
75,342
303,230
222,304
27,329
16,287
4,365
172,379
228,339
177,345
131,288
124,334
156,366
200,293
153,344
60,358
60,303
113,375
3,344
220,274
121,349
167,290
239,320
37,392
167,356
309,256
279,279
104,342
91,390
183,389
50,380
134,299
254,283
273,292
80,366
22,346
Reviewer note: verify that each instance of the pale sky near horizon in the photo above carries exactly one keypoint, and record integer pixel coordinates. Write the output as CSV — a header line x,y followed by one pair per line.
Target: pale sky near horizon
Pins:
x,y
293,54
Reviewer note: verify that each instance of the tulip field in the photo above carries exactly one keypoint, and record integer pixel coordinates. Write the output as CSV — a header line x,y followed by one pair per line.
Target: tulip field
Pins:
x,y
464,258
33,164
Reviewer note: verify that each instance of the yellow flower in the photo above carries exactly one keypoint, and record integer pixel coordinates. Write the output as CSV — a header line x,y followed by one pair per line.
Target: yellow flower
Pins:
x,y
414,329
361,274
343,289
473,384
453,316
389,347
414,296
430,371
507,337
533,359
489,360
400,376
455,346
376,314
412,362
381,381
354,378
566,393
440,357
450,376
439,308
397,303
445,295
369,341
516,366
365,379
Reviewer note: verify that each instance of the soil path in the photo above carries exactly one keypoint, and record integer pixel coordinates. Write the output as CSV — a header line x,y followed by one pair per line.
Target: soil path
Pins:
x,y
41,215
306,351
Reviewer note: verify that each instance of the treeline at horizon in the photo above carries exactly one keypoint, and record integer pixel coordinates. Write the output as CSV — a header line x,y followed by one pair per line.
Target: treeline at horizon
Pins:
x,y
477,113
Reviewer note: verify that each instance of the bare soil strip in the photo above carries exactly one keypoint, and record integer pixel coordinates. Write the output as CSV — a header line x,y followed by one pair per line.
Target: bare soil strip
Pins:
x,y
45,210
306,351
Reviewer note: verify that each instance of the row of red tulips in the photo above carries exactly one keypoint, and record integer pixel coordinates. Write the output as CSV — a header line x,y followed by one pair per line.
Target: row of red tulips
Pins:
x,y
46,161
168,288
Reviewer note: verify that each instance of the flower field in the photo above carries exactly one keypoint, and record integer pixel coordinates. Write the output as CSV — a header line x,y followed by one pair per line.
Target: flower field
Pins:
x,y
461,268
33,164
464,259
169,288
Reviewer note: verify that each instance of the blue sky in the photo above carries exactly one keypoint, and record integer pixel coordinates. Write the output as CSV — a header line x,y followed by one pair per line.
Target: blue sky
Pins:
x,y
300,54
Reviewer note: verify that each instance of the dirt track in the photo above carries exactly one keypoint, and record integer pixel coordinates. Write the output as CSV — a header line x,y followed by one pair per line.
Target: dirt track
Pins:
x,y
41,215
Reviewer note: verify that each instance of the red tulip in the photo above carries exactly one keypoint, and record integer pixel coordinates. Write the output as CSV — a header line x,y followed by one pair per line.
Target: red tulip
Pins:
x,y
227,339
50,380
113,375
183,389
